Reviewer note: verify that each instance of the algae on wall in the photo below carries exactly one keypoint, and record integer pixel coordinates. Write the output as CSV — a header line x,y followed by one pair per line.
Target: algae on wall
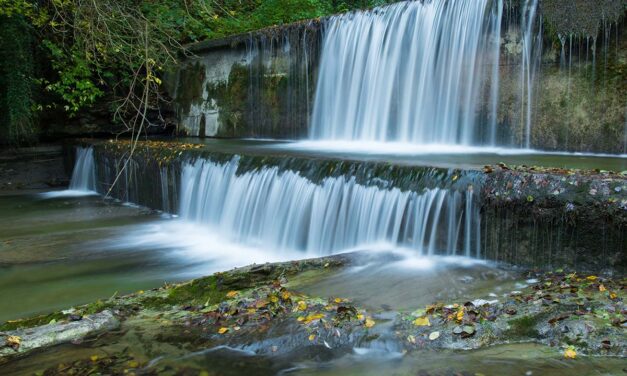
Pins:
x,y
257,85
580,86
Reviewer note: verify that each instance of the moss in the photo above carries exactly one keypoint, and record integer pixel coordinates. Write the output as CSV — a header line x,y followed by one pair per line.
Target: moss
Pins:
x,y
200,291
32,322
96,307
523,327
580,17
189,90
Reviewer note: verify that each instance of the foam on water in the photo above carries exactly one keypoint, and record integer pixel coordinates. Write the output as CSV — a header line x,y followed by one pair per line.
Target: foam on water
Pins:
x,y
83,182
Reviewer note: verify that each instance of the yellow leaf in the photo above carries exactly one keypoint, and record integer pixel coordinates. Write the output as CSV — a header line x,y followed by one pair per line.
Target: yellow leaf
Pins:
x,y
13,341
312,337
411,339
602,288
313,316
223,330
302,305
613,295
422,321
360,316
94,358
369,323
460,314
300,318
274,298
591,278
285,295
434,335
570,353
338,300
232,294
133,364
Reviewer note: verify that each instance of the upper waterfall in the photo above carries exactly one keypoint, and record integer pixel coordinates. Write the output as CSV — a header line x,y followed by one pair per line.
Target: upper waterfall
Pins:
x,y
412,72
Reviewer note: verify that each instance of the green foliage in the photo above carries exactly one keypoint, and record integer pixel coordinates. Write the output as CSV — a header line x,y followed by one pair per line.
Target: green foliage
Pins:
x,y
75,83
17,102
115,50
234,16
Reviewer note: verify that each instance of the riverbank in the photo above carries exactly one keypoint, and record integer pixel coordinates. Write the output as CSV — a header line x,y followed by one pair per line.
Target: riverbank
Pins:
x,y
32,168
258,318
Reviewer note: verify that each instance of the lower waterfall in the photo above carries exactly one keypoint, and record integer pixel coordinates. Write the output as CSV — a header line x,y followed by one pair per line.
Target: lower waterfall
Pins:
x,y
283,211
84,173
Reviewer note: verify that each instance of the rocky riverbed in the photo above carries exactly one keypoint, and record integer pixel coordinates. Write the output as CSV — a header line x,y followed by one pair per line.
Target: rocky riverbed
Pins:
x,y
260,312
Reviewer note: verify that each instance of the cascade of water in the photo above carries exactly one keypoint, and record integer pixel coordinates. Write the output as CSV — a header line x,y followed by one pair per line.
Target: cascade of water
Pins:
x,y
282,210
497,17
531,54
84,174
409,72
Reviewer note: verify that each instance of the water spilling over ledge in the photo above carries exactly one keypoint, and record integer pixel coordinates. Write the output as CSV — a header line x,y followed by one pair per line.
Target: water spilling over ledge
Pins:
x,y
395,74
285,211
410,72
318,206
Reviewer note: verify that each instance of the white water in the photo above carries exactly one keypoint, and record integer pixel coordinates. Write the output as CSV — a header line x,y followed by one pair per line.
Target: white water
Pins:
x,y
83,181
285,212
411,72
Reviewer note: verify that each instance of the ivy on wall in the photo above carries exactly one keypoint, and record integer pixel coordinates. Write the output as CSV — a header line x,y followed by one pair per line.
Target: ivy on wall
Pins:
x,y
17,84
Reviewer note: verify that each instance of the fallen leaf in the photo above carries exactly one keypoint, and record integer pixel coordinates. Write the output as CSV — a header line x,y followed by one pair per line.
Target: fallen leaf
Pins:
x,y
602,288
468,331
94,358
434,335
313,317
369,323
223,330
232,294
591,278
570,353
411,339
338,300
14,342
285,295
312,337
422,321
460,314
302,305
613,295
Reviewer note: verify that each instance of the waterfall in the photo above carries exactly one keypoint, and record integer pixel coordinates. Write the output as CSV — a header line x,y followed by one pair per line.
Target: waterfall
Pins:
x,y
410,72
284,211
84,174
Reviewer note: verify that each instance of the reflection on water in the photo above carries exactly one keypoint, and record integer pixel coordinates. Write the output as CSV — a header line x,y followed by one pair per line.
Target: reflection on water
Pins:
x,y
50,258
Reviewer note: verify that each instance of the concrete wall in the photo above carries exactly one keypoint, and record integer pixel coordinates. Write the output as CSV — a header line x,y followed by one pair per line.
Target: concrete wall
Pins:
x,y
262,84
